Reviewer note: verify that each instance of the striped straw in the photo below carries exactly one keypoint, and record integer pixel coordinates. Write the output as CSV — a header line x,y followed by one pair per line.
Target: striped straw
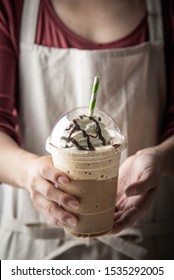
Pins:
x,y
94,95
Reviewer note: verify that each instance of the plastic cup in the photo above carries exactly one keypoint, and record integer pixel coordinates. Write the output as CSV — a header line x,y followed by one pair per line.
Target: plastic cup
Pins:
x,y
93,176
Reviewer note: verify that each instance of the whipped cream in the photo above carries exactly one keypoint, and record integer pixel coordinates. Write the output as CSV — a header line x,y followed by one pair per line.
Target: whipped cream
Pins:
x,y
85,133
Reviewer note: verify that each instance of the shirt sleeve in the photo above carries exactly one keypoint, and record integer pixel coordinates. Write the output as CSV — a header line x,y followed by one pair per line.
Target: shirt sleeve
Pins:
x,y
168,19
10,14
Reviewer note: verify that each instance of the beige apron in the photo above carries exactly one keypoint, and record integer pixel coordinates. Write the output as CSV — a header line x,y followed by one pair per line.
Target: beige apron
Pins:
x,y
133,91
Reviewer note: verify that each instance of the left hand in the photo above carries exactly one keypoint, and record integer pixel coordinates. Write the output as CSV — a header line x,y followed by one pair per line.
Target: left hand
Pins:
x,y
138,179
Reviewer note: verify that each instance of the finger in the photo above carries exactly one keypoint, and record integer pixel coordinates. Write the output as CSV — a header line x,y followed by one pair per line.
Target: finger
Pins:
x,y
126,219
54,212
49,172
148,181
128,216
51,193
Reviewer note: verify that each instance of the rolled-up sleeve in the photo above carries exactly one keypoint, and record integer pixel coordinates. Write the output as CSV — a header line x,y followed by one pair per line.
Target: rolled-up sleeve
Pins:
x,y
168,15
9,95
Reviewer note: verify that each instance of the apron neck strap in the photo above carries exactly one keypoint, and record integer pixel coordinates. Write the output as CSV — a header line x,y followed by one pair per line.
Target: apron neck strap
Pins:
x,y
29,21
31,9
155,20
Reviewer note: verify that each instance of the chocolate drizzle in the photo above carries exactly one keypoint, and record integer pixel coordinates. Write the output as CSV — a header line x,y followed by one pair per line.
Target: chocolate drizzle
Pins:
x,y
71,125
67,139
74,126
98,131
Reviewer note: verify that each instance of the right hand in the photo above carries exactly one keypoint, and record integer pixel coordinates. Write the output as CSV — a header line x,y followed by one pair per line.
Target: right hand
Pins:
x,y
139,177
43,181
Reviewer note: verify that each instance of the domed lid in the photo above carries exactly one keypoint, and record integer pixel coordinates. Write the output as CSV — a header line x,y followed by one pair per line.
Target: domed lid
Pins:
x,y
76,129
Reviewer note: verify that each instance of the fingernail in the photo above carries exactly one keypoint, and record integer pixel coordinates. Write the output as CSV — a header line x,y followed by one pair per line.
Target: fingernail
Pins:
x,y
73,204
71,222
63,180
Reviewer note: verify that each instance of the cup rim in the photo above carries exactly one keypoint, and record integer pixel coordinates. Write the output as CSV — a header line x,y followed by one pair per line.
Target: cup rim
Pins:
x,y
50,148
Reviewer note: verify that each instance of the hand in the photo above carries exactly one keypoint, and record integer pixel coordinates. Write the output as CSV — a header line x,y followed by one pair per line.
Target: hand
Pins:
x,y
43,183
138,179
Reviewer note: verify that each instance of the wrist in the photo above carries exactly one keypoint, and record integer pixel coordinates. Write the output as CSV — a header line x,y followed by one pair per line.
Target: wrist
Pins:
x,y
25,161
14,162
156,156
166,151
163,154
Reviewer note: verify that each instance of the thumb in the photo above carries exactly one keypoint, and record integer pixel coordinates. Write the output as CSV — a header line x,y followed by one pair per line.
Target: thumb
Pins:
x,y
50,173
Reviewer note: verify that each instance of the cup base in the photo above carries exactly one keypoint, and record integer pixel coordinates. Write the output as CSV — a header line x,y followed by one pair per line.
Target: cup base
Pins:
x,y
86,235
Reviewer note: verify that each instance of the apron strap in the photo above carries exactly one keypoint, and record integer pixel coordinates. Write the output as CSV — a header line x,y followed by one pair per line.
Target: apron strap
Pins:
x,y
33,230
155,20
29,21
69,244
122,246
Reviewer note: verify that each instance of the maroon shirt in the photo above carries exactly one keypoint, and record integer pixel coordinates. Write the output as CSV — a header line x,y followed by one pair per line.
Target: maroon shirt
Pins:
x,y
52,32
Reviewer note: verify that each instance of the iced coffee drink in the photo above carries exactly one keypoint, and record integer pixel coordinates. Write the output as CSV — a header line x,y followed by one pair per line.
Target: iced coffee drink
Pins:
x,y
87,149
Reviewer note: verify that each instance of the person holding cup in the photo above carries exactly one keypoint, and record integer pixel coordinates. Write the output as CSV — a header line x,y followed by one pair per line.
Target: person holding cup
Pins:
x,y
50,51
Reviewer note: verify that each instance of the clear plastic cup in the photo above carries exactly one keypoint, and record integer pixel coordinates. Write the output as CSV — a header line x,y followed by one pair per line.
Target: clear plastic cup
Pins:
x,y
93,174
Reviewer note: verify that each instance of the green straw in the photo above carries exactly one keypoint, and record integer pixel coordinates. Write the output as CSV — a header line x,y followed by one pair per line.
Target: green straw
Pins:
x,y
94,95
